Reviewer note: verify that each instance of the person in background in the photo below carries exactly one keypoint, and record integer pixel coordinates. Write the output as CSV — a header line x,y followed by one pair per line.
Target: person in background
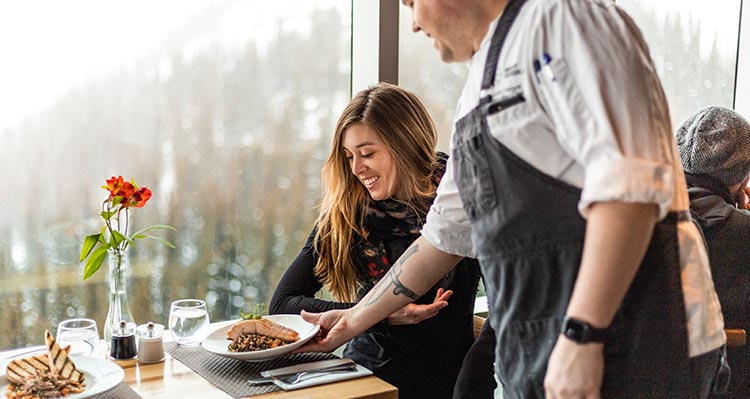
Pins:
x,y
565,183
380,179
714,146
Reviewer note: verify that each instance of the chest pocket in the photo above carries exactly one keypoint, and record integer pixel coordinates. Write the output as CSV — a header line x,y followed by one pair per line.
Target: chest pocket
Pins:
x,y
475,148
473,172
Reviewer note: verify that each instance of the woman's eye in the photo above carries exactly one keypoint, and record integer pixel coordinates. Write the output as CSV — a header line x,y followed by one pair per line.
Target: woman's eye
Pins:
x,y
366,155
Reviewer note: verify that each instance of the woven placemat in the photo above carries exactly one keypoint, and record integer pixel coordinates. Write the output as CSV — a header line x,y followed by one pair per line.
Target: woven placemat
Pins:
x,y
121,391
231,375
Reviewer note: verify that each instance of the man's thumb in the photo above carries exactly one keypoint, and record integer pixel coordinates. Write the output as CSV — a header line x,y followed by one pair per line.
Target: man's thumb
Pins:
x,y
310,317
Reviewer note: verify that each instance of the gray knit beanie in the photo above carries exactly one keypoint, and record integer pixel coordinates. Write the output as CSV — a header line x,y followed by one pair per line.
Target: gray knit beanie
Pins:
x,y
715,142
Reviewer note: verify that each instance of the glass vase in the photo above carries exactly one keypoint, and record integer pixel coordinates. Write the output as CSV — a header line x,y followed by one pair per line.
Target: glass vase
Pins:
x,y
119,308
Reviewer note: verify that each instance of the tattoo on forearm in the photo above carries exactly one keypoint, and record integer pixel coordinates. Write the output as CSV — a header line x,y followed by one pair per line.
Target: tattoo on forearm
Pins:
x,y
399,287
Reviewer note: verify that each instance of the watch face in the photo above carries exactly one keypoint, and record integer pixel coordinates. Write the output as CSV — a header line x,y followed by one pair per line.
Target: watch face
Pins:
x,y
575,330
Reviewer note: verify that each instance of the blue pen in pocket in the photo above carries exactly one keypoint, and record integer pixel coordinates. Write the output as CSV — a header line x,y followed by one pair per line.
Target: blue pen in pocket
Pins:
x,y
537,68
547,69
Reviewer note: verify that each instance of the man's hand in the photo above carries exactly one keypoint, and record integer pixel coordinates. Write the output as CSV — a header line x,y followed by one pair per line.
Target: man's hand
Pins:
x,y
403,283
574,371
413,313
335,330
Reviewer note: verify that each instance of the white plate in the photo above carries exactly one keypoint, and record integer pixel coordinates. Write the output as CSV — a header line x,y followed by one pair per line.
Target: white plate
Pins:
x,y
217,341
101,375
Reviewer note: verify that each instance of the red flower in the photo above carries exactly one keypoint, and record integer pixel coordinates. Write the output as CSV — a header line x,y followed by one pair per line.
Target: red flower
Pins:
x,y
140,197
118,187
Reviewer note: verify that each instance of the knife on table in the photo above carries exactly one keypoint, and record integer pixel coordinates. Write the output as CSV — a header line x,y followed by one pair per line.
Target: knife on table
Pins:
x,y
323,366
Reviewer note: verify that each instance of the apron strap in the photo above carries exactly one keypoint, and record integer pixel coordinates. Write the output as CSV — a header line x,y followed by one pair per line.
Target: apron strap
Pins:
x,y
498,39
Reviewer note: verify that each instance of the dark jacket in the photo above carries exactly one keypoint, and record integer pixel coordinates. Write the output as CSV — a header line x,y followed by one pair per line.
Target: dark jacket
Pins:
x,y
727,232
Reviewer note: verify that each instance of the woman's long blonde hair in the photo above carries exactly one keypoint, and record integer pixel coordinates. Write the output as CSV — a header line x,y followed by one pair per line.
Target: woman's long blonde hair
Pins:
x,y
400,119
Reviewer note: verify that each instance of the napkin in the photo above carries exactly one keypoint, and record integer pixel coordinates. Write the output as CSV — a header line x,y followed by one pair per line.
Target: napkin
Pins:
x,y
360,371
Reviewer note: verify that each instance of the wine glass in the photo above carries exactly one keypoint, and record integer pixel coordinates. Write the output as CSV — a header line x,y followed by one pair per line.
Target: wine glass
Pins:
x,y
187,321
81,334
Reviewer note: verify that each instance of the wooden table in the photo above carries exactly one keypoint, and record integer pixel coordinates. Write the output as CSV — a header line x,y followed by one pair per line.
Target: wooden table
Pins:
x,y
172,379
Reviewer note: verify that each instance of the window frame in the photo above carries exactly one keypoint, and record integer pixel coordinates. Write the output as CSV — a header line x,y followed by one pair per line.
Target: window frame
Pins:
x,y
742,76
374,43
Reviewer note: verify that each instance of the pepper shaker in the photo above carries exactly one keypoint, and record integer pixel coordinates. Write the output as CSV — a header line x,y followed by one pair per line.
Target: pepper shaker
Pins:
x,y
150,344
123,342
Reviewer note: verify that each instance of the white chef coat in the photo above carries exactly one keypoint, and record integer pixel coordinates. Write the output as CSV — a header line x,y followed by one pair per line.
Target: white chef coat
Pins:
x,y
595,116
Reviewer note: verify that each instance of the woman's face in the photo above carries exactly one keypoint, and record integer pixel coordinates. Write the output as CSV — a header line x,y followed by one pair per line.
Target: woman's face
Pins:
x,y
370,161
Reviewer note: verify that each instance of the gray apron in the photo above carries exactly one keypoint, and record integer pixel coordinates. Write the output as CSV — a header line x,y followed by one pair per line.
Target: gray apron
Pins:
x,y
529,236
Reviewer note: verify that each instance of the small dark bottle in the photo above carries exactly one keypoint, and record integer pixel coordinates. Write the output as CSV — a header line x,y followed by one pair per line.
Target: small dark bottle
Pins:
x,y
123,342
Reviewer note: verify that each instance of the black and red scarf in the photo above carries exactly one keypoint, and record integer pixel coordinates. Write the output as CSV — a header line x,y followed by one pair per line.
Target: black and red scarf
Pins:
x,y
391,227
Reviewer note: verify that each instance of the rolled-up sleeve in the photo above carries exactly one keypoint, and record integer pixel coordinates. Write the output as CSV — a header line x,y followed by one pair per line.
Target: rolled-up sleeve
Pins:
x,y
607,104
447,227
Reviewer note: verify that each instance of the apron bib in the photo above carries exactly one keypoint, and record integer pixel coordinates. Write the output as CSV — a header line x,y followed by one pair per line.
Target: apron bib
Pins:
x,y
529,237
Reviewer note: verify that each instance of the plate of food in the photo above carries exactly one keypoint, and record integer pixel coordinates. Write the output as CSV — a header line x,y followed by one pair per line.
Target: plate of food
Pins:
x,y
260,338
54,374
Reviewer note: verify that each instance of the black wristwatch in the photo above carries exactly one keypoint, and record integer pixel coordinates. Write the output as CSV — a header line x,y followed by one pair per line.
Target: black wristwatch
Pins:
x,y
581,332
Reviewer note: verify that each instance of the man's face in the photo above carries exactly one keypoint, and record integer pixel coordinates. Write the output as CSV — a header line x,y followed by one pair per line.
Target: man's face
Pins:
x,y
444,22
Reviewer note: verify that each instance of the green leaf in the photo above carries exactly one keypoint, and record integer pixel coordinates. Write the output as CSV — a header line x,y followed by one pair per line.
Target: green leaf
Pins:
x,y
88,244
161,240
94,262
114,241
257,313
107,215
117,200
118,238
154,227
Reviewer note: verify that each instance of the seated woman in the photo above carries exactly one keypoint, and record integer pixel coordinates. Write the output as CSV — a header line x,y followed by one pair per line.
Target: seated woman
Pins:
x,y
380,178
714,146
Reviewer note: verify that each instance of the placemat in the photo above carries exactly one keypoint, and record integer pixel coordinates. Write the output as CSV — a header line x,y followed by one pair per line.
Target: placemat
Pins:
x,y
121,391
231,375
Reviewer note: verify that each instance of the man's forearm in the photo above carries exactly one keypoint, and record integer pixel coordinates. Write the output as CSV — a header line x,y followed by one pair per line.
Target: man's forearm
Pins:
x,y
617,237
418,269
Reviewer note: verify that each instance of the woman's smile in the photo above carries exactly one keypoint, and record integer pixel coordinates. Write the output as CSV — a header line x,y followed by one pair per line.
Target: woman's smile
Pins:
x,y
370,161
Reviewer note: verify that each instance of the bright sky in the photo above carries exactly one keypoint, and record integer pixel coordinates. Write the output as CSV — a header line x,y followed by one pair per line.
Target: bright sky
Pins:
x,y
49,46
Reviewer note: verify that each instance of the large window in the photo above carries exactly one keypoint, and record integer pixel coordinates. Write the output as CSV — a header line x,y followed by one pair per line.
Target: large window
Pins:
x,y
693,44
437,83
223,108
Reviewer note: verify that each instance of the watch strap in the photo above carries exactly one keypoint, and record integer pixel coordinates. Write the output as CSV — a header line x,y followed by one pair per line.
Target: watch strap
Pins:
x,y
582,332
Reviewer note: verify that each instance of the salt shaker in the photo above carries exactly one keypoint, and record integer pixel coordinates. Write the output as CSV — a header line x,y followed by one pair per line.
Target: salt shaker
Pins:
x,y
150,345
123,342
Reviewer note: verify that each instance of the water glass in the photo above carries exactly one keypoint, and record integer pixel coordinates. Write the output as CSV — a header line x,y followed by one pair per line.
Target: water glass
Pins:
x,y
188,319
81,334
